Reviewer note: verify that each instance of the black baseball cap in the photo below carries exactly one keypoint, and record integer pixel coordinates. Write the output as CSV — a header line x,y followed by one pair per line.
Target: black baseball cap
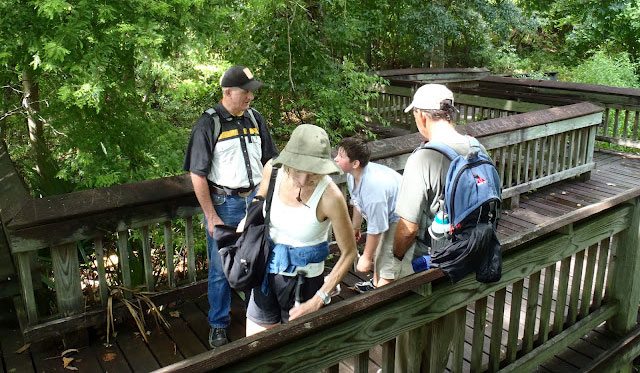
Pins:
x,y
241,77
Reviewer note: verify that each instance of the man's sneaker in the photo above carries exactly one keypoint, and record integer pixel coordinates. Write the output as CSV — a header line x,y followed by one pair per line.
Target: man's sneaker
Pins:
x,y
217,337
364,286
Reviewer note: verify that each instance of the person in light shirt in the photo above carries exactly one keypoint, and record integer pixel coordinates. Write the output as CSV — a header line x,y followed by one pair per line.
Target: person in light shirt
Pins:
x,y
373,190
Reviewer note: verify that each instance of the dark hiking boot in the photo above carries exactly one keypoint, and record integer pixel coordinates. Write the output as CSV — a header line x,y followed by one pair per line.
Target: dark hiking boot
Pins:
x,y
218,337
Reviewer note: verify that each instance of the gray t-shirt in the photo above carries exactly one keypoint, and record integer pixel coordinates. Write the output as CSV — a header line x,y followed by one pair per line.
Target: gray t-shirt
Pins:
x,y
422,188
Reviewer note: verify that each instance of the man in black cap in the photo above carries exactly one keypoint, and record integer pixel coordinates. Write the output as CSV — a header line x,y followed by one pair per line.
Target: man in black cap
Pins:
x,y
229,145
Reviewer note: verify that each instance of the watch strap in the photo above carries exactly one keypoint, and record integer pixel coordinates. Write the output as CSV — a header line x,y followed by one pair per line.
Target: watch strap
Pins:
x,y
326,299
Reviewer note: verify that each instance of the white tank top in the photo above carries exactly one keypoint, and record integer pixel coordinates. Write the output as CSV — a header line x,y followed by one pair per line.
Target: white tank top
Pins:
x,y
298,226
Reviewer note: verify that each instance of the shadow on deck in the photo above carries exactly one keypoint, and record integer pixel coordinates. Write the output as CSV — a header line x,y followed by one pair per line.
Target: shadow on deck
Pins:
x,y
615,179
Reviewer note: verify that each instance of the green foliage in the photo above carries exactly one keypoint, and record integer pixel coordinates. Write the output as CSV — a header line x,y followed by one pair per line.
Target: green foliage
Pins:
x,y
116,82
120,83
311,76
569,30
601,68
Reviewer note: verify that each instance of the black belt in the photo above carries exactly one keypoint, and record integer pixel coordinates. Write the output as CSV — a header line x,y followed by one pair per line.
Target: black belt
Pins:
x,y
229,191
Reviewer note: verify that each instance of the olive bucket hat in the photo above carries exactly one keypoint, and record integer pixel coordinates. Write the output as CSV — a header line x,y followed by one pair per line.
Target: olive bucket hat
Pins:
x,y
308,150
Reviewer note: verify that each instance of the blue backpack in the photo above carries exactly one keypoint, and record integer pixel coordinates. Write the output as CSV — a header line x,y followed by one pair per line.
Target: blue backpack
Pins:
x,y
472,199
472,184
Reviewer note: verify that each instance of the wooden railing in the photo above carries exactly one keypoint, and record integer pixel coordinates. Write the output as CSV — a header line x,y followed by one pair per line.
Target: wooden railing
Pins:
x,y
488,97
531,150
394,98
622,105
592,255
125,216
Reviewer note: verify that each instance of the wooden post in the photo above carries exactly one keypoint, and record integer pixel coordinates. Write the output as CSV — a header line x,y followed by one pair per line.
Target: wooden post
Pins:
x,y
361,363
146,255
388,356
625,285
66,271
26,282
168,246
440,340
458,340
123,261
477,343
102,273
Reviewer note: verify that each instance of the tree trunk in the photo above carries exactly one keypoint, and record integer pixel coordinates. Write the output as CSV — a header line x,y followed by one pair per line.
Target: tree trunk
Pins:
x,y
46,168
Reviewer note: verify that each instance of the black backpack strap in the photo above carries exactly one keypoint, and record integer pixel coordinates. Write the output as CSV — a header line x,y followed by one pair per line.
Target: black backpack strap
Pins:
x,y
272,185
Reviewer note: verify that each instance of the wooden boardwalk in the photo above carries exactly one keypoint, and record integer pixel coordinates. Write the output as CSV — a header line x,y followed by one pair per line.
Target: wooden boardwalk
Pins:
x,y
614,176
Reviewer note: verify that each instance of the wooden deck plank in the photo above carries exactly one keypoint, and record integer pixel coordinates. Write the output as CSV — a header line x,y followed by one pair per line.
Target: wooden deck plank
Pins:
x,y
582,190
111,358
546,205
601,338
86,360
186,340
163,347
575,357
136,351
11,341
559,366
196,319
48,361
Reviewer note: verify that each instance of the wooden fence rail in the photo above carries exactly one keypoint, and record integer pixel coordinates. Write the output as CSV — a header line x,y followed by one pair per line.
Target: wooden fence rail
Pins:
x,y
621,122
393,99
489,97
568,275
532,150
575,272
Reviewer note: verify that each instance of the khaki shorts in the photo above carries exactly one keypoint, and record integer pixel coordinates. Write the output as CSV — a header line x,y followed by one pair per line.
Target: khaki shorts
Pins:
x,y
385,264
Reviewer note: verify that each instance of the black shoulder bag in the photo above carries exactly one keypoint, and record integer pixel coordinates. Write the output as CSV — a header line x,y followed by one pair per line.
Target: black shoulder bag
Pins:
x,y
245,255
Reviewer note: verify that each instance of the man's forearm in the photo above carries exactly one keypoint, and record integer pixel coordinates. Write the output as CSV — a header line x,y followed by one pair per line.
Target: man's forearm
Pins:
x,y
405,236
201,190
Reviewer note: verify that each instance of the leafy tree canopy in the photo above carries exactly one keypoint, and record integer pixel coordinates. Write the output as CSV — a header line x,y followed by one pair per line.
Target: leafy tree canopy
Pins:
x,y
98,93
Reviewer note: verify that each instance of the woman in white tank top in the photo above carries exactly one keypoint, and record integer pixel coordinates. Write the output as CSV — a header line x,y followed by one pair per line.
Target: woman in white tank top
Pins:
x,y
306,202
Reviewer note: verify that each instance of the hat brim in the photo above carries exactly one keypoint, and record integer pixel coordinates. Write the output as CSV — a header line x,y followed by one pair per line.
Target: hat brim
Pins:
x,y
252,85
306,163
408,109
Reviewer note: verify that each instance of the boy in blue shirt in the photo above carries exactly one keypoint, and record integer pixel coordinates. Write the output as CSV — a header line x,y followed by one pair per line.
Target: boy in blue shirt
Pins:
x,y
373,189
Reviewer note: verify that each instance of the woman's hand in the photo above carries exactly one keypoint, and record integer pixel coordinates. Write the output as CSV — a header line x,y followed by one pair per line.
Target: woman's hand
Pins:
x,y
312,305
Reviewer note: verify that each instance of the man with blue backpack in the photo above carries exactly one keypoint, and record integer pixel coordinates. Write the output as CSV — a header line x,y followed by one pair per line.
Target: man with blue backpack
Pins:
x,y
448,205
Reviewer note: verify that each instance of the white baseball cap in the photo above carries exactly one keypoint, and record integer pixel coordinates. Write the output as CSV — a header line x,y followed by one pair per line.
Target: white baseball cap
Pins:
x,y
429,97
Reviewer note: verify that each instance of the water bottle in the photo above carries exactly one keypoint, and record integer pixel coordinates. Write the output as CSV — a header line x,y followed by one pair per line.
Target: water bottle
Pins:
x,y
440,226
421,263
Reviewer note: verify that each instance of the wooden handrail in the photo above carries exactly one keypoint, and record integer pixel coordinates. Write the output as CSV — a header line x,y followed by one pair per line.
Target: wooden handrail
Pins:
x,y
85,214
283,347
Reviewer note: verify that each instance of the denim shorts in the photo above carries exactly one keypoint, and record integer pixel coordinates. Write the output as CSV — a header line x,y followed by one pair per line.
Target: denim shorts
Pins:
x,y
274,307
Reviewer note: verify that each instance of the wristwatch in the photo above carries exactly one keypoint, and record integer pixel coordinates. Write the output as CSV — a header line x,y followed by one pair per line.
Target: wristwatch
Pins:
x,y
326,299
